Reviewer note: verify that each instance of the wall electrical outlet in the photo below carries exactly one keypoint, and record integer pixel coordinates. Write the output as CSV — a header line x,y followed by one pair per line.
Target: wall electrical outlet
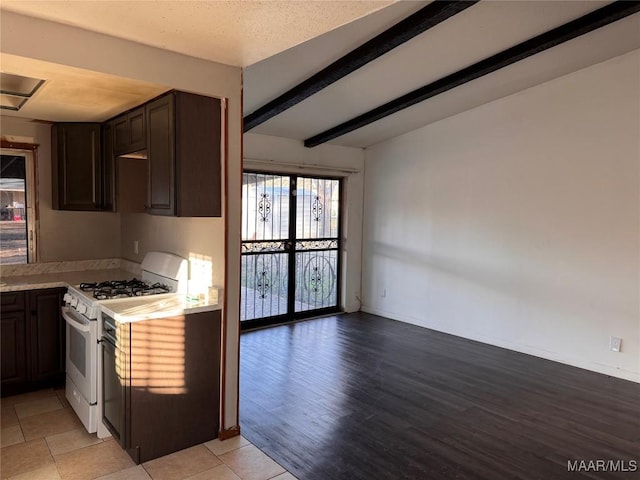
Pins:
x,y
135,247
615,344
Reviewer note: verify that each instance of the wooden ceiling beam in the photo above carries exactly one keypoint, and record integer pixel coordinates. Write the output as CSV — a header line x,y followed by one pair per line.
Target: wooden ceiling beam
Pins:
x,y
575,28
422,20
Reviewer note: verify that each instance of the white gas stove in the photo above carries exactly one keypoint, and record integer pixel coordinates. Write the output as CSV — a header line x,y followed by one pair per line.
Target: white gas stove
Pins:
x,y
163,274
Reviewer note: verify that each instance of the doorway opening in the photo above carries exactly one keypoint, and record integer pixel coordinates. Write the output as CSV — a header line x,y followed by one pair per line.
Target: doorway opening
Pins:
x,y
291,246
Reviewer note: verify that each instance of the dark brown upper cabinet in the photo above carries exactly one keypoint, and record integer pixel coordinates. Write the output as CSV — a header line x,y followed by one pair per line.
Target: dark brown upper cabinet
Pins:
x,y
108,172
130,132
184,151
178,133
76,166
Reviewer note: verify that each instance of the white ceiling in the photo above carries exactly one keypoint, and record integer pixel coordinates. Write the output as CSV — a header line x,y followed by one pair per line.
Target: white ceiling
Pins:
x,y
478,32
267,36
233,32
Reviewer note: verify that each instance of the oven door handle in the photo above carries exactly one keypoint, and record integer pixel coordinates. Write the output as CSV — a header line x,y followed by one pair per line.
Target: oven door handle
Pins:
x,y
75,320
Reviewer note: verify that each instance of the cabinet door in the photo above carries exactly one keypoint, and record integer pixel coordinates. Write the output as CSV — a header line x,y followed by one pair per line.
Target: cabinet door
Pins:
x,y
129,132
120,134
108,189
137,130
76,166
198,137
161,154
47,339
14,353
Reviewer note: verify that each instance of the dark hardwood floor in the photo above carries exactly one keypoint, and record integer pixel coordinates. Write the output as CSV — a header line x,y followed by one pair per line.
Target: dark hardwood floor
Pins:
x,y
358,396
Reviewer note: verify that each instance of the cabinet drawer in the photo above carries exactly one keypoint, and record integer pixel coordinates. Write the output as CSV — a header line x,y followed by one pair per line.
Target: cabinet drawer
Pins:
x,y
12,301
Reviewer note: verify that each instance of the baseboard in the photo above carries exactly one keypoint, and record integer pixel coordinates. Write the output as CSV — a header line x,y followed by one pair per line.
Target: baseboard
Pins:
x,y
227,433
516,347
17,389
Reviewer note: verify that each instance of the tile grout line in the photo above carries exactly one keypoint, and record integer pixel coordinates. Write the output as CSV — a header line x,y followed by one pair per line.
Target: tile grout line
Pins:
x,y
19,426
55,462
53,458
24,440
44,437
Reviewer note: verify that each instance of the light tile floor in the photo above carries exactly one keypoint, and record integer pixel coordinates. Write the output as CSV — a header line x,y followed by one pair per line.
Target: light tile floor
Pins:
x,y
42,439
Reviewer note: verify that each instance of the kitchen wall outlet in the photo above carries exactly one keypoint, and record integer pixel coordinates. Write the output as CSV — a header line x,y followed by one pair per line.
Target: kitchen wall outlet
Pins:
x,y
615,344
135,247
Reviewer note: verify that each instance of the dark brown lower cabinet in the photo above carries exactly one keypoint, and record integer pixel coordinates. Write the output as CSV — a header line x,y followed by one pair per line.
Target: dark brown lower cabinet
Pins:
x,y
33,340
47,335
14,351
161,383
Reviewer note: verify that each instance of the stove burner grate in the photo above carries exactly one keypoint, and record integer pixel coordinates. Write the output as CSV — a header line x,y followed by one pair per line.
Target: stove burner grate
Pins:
x,y
146,289
123,288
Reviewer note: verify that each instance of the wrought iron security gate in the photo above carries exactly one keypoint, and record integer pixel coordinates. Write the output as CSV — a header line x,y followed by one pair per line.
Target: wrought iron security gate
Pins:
x,y
290,247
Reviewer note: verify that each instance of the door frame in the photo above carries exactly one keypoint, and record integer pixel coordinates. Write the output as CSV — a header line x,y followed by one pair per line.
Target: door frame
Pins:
x,y
292,315
30,153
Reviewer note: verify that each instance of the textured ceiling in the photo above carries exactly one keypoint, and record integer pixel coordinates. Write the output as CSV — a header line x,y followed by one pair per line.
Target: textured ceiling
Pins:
x,y
478,32
267,36
72,94
236,33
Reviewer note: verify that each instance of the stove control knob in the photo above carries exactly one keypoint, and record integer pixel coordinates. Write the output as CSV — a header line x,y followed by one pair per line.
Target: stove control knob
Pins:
x,y
81,308
67,298
74,302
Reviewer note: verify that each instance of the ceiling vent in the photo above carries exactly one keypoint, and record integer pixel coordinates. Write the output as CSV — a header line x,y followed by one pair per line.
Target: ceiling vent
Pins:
x,y
15,90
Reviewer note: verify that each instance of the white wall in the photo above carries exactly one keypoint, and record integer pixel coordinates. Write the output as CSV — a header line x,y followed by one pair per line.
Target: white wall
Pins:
x,y
51,42
182,236
517,223
283,155
63,235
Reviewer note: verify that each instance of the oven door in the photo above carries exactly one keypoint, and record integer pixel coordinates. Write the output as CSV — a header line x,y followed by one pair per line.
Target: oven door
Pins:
x,y
81,355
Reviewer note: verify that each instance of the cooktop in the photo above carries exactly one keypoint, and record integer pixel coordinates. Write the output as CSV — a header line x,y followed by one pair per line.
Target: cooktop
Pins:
x,y
124,288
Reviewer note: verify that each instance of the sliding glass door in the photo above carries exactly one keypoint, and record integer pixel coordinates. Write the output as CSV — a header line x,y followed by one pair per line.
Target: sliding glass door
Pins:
x,y
290,247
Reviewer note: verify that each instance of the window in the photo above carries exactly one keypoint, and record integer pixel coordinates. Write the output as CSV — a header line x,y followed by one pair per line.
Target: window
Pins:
x,y
17,206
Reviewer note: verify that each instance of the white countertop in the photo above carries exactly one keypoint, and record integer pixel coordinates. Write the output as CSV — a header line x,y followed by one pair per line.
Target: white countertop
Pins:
x,y
156,306
14,283
123,310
